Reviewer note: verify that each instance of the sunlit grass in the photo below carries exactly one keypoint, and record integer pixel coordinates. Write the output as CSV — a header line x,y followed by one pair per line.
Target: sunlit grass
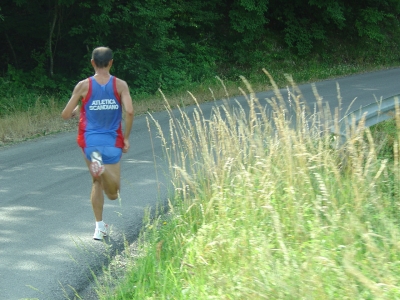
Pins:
x,y
263,210
39,120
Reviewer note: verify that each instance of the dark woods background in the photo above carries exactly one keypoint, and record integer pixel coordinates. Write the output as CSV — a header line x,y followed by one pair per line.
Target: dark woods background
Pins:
x,y
46,44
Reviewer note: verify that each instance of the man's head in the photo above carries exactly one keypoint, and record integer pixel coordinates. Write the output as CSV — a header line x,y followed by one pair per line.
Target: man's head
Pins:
x,y
102,56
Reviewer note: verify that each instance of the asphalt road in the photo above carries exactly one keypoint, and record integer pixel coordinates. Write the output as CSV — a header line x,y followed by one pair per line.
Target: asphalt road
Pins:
x,y
46,220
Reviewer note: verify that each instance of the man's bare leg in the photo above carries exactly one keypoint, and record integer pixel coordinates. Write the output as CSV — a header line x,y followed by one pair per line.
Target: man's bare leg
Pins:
x,y
109,182
97,199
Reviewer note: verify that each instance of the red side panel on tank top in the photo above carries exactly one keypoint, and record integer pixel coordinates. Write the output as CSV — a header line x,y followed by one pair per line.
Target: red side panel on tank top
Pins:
x,y
82,120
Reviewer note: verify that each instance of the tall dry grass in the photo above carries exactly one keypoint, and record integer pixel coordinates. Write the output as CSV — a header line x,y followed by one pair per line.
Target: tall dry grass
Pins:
x,y
39,120
268,210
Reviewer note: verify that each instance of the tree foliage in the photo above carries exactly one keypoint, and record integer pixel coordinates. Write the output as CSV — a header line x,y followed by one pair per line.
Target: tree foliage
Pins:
x,y
168,43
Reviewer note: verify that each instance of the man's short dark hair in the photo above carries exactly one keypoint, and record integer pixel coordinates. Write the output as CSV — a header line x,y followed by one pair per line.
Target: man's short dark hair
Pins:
x,y
102,56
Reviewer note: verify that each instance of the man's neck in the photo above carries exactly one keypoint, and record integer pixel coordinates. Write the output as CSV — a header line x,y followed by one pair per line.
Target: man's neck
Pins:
x,y
102,72
102,76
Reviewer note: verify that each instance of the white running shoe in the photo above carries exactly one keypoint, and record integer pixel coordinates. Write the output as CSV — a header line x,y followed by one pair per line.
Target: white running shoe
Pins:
x,y
100,233
96,166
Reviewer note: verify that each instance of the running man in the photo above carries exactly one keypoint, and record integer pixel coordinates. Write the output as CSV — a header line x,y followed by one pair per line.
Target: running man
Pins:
x,y
100,132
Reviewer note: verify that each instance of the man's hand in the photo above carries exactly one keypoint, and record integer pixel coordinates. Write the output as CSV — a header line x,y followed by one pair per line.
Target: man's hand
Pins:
x,y
126,146
75,112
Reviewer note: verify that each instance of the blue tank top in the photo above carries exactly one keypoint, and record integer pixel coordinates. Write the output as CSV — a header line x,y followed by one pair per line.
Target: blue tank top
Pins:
x,y
101,116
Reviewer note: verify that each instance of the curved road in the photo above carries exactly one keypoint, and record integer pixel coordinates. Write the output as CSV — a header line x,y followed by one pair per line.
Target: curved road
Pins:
x,y
46,221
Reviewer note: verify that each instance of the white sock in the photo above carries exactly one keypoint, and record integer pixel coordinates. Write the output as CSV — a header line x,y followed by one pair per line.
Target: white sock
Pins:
x,y
100,225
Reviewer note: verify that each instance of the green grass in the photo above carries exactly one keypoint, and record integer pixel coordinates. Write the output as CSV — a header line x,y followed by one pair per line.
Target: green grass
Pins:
x,y
386,135
263,214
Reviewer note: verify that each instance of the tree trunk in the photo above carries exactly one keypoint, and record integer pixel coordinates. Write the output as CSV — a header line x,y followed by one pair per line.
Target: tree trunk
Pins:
x,y
12,50
51,40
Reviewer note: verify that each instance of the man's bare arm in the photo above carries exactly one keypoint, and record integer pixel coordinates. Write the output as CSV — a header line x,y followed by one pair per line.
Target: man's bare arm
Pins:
x,y
71,109
126,100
